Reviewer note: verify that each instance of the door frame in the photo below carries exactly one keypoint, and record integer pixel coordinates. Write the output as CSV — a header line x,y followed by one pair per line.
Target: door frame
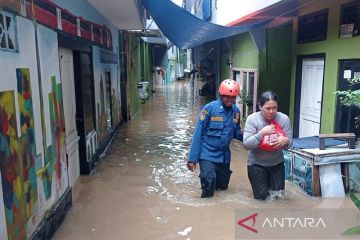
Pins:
x,y
78,46
85,164
298,82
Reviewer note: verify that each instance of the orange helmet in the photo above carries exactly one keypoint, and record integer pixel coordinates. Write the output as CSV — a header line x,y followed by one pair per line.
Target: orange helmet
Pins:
x,y
229,87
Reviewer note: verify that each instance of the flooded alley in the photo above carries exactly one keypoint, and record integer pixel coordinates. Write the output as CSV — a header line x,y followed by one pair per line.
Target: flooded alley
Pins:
x,y
141,188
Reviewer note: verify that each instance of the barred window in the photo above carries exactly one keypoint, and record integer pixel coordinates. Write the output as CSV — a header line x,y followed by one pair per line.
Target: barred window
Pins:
x,y
350,19
313,27
7,31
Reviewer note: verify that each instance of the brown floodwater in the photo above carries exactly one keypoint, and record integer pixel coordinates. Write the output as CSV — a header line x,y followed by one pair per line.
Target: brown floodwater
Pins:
x,y
141,188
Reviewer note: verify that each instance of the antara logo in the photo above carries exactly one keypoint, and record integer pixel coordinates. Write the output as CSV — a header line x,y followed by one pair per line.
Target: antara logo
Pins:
x,y
253,217
291,222
284,222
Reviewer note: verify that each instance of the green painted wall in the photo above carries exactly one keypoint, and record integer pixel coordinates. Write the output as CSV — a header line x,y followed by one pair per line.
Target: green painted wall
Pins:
x,y
140,70
243,51
134,73
224,68
335,50
148,64
275,65
142,60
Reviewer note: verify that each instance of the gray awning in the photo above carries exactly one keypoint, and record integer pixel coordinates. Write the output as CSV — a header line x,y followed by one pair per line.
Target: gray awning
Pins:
x,y
154,40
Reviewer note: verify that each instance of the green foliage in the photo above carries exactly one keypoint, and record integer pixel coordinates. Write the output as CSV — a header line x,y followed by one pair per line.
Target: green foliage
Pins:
x,y
353,230
350,97
355,199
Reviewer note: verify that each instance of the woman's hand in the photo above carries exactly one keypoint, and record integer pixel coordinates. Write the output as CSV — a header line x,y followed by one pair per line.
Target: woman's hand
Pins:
x,y
280,142
269,129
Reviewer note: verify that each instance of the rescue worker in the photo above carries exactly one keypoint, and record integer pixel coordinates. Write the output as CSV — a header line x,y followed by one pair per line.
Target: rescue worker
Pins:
x,y
217,124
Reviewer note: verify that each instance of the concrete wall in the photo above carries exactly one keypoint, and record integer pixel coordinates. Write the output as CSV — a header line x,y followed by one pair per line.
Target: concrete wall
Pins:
x,y
33,166
335,50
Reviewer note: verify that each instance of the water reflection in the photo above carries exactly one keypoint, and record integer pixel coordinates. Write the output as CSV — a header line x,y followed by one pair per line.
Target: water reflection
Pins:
x,y
160,139
142,189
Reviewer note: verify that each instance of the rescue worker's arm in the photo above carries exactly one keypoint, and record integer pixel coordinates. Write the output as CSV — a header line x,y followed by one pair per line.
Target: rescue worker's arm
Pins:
x,y
238,134
202,122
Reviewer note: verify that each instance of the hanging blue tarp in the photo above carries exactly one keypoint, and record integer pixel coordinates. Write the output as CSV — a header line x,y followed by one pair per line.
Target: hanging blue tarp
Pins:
x,y
186,30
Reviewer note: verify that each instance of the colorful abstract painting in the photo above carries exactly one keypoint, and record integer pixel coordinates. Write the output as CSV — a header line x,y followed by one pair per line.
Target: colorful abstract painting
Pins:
x,y
55,154
10,166
27,140
20,166
57,121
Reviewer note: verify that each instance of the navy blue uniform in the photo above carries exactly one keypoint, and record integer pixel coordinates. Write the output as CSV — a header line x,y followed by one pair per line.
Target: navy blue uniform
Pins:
x,y
216,126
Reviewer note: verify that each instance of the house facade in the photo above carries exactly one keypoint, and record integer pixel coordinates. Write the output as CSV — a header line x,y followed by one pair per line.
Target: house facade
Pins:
x,y
258,63
258,59
324,55
306,53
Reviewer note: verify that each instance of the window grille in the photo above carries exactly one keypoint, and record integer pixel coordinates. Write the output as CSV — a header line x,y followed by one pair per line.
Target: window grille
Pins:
x,y
313,27
349,19
248,81
7,32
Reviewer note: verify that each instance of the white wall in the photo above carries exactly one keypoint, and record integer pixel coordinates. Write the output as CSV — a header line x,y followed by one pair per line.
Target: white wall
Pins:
x,y
26,58
226,11
49,55
49,65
